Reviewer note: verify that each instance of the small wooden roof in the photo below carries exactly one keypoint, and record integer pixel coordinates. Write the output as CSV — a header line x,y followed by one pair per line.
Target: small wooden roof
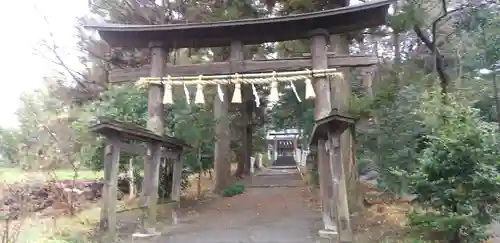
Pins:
x,y
249,31
334,122
125,130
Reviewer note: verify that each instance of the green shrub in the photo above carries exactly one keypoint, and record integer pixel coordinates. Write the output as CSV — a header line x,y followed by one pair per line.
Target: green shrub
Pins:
x,y
312,168
266,162
458,182
233,190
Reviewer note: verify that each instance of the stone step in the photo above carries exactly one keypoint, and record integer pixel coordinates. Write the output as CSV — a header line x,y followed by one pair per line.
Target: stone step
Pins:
x,y
276,185
290,167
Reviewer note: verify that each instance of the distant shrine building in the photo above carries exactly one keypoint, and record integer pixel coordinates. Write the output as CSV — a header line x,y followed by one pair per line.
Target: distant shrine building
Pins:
x,y
284,148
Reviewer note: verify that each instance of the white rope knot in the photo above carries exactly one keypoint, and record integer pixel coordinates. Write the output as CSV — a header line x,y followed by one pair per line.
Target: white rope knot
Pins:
x,y
142,82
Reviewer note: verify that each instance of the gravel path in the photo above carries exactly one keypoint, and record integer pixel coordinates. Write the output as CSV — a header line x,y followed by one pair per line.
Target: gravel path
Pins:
x,y
276,213
494,231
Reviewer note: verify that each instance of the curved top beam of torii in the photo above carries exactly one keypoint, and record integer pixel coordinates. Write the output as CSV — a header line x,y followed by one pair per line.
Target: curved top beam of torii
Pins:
x,y
249,31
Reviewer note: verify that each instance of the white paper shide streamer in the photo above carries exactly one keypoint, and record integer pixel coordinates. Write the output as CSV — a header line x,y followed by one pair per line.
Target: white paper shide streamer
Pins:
x,y
220,93
295,91
186,93
200,97
256,96
309,89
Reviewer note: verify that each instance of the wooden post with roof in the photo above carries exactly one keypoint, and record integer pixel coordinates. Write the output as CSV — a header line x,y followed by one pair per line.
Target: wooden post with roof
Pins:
x,y
327,133
117,135
317,26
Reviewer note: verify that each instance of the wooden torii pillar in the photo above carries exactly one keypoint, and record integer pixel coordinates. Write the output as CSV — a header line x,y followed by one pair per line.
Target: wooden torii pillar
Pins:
x,y
155,123
323,106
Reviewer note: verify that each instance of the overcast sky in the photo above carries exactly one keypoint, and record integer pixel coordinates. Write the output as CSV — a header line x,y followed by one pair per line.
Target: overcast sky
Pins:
x,y
23,28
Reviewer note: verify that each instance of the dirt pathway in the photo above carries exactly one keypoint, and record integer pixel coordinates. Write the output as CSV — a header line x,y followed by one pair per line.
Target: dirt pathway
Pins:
x,y
273,209
494,232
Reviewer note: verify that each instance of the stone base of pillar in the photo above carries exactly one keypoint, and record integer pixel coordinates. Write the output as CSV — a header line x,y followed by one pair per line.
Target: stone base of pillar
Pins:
x,y
146,233
328,236
329,224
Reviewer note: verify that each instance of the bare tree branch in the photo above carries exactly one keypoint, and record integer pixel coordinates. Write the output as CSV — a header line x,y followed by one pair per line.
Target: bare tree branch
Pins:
x,y
53,47
445,80
430,42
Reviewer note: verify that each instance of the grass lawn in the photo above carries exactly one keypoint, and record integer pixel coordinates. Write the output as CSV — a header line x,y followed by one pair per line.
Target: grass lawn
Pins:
x,y
11,175
53,230
63,229
44,229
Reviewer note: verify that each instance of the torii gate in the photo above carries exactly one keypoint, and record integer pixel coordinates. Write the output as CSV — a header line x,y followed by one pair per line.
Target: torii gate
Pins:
x,y
317,26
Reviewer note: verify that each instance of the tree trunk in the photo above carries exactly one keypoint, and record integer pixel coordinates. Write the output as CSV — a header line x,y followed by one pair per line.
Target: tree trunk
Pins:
x,y
222,157
249,149
242,151
240,162
198,187
396,40
132,186
248,127
237,54
495,95
222,162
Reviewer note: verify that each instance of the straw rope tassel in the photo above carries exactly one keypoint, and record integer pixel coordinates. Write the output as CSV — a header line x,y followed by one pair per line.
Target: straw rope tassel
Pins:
x,y
220,93
274,96
256,95
167,95
309,88
237,90
200,97
186,92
